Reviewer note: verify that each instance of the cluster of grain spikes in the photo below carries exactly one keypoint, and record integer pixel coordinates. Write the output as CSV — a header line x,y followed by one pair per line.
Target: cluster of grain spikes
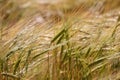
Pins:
x,y
65,56
74,53
78,60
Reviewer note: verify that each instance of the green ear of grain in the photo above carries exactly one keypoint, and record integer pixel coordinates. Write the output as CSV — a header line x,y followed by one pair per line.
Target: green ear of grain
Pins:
x,y
87,53
113,33
16,66
96,62
1,64
94,69
12,52
39,54
27,59
99,53
65,28
60,39
58,35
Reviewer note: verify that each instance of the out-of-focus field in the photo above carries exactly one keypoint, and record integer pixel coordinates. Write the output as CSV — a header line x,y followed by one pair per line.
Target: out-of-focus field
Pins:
x,y
59,39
